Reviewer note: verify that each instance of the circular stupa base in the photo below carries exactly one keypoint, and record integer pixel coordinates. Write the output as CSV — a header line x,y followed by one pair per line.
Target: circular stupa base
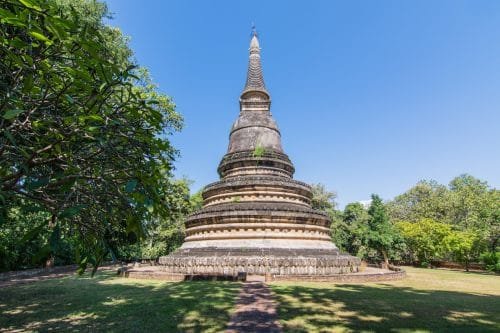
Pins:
x,y
368,274
217,261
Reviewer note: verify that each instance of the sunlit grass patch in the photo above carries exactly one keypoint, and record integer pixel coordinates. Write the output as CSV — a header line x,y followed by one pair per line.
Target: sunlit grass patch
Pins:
x,y
108,303
426,301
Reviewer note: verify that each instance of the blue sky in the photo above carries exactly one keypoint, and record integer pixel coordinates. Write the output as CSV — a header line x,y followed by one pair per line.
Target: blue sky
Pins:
x,y
370,96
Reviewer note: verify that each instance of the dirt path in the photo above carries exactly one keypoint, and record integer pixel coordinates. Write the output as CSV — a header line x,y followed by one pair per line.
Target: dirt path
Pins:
x,y
33,275
255,310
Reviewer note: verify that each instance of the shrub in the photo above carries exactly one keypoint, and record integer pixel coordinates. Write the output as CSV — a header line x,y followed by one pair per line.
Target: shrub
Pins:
x,y
491,261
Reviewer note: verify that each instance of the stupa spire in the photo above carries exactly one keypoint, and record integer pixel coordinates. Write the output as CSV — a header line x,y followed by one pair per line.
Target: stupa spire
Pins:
x,y
255,77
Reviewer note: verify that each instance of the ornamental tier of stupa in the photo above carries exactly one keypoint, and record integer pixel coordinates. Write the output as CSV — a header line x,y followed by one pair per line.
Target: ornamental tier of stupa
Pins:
x,y
257,219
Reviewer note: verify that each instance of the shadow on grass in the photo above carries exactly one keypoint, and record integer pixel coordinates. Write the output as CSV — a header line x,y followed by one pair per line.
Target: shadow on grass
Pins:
x,y
384,308
108,304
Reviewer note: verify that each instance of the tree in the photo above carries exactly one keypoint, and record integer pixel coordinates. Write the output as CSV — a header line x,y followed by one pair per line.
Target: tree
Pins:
x,y
490,215
427,199
475,209
461,245
467,204
83,129
468,199
356,219
17,248
167,234
339,230
382,235
427,240
323,199
196,201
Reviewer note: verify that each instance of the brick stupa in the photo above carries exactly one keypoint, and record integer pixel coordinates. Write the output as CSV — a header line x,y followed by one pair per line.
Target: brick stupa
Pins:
x,y
257,219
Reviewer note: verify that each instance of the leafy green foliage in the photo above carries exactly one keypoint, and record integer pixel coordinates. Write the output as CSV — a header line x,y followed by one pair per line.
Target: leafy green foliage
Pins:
x,y
461,244
425,239
468,196
429,222
382,234
83,130
356,219
468,208
428,240
166,234
259,151
491,261
427,199
322,199
26,239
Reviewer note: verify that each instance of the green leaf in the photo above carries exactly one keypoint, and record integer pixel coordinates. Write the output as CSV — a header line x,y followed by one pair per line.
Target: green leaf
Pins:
x,y
71,211
56,29
28,60
82,266
149,205
12,113
28,83
37,183
14,21
30,4
94,117
32,233
40,37
18,43
131,184
43,254
5,13
69,99
135,227
11,138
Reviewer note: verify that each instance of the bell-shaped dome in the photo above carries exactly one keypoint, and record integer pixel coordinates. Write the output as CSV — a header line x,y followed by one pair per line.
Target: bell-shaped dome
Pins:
x,y
254,130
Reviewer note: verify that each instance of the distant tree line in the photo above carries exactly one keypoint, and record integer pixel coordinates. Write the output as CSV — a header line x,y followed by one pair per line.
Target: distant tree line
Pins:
x,y
430,222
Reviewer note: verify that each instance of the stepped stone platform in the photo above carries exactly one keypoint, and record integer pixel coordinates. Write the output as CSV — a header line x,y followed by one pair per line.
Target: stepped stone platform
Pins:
x,y
369,274
260,261
257,219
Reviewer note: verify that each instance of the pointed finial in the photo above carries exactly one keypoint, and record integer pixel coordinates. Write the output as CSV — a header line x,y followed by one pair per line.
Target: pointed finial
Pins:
x,y
254,30
254,42
255,78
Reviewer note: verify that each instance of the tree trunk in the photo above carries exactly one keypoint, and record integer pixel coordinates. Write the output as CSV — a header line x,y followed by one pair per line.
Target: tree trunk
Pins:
x,y
49,263
386,260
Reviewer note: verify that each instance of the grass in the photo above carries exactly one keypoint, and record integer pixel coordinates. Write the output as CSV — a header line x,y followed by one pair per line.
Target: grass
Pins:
x,y
426,301
111,304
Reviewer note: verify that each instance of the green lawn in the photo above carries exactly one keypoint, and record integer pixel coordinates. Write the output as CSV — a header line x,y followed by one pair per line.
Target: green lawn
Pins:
x,y
112,304
426,301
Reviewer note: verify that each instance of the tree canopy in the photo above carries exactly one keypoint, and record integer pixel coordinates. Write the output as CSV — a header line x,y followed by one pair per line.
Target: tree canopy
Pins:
x,y
428,223
83,128
382,235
